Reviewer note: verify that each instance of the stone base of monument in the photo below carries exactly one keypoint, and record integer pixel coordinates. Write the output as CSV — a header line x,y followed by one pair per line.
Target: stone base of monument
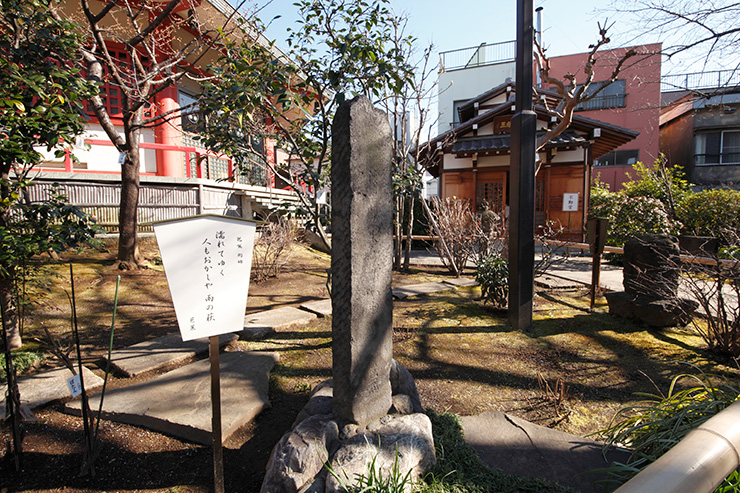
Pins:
x,y
650,311
322,455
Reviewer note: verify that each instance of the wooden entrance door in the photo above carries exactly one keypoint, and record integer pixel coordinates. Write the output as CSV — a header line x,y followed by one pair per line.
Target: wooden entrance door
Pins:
x,y
491,187
566,180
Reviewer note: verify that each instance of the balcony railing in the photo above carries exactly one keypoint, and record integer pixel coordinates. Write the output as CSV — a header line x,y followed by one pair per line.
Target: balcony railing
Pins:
x,y
603,102
477,56
700,80
715,159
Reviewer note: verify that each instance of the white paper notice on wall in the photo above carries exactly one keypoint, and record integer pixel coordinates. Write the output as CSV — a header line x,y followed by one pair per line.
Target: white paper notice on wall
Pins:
x,y
207,260
570,202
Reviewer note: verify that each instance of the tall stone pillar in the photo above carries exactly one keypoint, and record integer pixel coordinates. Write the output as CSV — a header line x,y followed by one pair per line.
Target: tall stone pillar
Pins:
x,y
361,262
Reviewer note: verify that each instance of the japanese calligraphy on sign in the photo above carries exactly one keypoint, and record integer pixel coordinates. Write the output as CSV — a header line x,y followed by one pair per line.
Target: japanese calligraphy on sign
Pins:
x,y
570,202
207,260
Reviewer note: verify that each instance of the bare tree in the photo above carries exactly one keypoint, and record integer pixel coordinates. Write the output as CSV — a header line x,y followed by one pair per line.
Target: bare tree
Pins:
x,y
704,30
409,112
573,89
160,43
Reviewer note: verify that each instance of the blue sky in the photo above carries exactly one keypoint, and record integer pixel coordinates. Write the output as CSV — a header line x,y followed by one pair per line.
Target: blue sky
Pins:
x,y
569,26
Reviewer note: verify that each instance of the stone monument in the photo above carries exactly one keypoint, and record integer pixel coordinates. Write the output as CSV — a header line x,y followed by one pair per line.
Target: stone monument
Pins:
x,y
369,414
361,262
651,277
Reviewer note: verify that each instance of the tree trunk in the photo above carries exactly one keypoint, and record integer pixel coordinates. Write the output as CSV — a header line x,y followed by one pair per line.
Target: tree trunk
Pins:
x,y
10,318
398,230
409,233
128,245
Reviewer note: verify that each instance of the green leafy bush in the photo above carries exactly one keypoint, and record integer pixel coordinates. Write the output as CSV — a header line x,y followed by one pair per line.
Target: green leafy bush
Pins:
x,y
712,213
492,273
23,361
631,216
659,181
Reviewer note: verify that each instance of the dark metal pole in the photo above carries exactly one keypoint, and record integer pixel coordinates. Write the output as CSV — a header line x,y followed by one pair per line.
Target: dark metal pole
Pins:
x,y
218,451
521,177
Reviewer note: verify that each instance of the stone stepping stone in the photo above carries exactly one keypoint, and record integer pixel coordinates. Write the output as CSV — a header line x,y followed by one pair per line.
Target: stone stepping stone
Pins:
x,y
519,447
321,308
42,388
462,282
402,292
555,282
160,353
260,325
178,402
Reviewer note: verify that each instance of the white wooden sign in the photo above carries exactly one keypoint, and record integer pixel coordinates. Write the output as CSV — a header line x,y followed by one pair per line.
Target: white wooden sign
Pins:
x,y
570,202
207,260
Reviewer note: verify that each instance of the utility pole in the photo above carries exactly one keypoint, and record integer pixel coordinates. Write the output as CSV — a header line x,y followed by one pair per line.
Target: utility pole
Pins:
x,y
522,179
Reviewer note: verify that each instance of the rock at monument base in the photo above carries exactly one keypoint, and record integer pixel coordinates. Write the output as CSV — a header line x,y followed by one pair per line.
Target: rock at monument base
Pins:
x,y
401,448
653,312
402,383
296,463
299,456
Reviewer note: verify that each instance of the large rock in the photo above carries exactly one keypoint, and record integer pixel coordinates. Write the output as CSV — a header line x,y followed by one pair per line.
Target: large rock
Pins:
x,y
400,442
402,447
652,266
654,312
299,456
402,384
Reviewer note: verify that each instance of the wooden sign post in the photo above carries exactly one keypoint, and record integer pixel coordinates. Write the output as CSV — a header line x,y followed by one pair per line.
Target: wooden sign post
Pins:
x,y
207,260
596,232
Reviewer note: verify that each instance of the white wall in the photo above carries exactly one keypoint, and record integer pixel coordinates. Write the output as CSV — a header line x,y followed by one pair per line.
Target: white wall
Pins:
x,y
468,83
105,158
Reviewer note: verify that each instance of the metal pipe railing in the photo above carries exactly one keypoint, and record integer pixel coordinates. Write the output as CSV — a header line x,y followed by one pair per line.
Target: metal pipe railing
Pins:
x,y
698,463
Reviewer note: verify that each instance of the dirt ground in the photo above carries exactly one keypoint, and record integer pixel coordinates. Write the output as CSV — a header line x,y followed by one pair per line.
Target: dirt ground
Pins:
x,y
573,372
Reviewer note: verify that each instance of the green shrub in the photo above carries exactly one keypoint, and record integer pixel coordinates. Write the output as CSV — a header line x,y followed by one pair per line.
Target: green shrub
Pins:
x,y
23,361
712,213
492,273
659,181
631,216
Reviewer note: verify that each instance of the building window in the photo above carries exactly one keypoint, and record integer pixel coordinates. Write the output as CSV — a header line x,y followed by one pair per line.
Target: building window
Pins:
x,y
611,96
110,93
721,147
191,117
619,158
493,194
455,113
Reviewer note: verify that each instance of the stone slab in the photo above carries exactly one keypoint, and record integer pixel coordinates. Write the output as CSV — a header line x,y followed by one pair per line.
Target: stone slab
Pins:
x,y
261,324
555,282
462,282
525,449
321,308
160,353
42,388
179,402
402,292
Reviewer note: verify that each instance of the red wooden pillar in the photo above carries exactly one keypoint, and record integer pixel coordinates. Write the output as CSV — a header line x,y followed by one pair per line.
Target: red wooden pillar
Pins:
x,y
169,163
